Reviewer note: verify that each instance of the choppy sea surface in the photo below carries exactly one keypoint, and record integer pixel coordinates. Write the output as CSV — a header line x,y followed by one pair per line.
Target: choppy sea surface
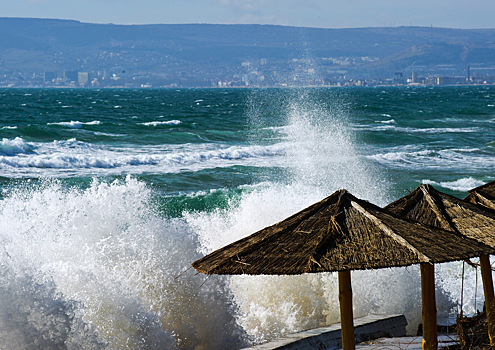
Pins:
x,y
106,196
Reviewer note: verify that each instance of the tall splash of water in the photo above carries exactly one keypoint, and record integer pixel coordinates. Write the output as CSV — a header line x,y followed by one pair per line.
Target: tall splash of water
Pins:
x,y
321,157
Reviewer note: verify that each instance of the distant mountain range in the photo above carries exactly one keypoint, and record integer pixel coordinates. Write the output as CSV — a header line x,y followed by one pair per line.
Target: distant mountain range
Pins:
x,y
55,45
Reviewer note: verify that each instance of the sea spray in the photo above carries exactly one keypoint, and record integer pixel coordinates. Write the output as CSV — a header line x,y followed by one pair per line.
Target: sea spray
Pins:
x,y
33,315
105,263
456,287
321,158
94,265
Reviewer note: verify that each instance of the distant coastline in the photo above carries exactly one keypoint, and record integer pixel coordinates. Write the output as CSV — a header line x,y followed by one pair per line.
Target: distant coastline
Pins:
x,y
63,53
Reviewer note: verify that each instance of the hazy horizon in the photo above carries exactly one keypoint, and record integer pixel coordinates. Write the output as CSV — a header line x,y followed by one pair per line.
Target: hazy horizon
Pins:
x,y
245,24
464,14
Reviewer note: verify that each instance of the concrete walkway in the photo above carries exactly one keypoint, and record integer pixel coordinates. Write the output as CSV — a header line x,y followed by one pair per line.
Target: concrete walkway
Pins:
x,y
404,343
330,337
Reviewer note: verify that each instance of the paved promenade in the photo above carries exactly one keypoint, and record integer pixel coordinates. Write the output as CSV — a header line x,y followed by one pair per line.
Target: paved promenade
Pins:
x,y
404,343
330,337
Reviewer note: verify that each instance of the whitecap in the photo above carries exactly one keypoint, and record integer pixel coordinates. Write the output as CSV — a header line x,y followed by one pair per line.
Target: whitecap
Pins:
x,y
468,158
390,121
461,185
8,127
13,147
75,124
411,130
107,134
156,123
71,157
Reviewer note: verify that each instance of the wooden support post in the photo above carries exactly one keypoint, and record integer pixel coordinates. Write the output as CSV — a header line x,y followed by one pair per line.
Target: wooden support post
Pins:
x,y
346,314
486,276
429,307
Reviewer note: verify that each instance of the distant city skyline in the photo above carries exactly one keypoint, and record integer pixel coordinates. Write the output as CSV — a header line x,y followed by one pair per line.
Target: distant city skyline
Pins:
x,y
465,14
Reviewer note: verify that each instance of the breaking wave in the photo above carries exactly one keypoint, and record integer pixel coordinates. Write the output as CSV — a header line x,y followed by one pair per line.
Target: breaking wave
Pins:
x,y
76,124
170,122
96,268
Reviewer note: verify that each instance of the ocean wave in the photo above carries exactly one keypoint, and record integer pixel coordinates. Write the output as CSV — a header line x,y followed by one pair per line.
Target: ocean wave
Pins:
x,y
390,121
108,134
73,154
8,127
13,147
410,130
62,146
461,185
155,123
76,124
467,158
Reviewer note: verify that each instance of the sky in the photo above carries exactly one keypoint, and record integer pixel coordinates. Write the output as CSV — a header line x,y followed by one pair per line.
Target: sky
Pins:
x,y
465,14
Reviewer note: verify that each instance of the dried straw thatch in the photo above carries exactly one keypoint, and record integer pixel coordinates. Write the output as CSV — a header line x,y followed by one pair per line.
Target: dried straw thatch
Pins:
x,y
483,196
432,207
338,233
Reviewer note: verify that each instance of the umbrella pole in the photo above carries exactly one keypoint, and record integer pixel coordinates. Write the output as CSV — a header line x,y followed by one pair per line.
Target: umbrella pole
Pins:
x,y
486,276
346,316
429,307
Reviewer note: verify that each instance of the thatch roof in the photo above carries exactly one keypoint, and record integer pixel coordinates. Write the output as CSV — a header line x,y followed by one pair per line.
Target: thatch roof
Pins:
x,y
432,207
338,233
483,196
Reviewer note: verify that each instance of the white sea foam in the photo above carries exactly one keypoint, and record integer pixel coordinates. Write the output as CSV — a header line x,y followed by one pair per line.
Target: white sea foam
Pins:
x,y
8,127
156,123
76,124
461,185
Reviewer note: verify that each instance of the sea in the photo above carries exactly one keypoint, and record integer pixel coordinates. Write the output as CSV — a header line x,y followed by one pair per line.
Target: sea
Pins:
x,y
108,195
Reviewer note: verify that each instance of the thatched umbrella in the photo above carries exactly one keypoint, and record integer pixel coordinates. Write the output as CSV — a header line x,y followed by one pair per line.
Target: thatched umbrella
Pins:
x,y
484,196
432,207
340,233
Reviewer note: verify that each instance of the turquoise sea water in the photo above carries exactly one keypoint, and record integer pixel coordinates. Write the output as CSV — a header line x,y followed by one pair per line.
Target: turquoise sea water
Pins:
x,y
107,195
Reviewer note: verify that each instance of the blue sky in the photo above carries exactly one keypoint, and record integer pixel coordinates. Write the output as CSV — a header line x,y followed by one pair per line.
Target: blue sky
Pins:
x,y
309,13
